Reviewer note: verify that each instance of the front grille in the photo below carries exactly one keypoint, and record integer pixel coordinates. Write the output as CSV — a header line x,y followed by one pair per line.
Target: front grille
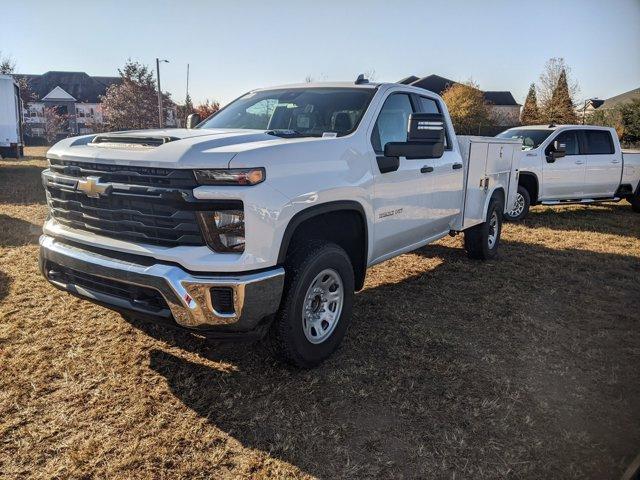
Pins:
x,y
139,297
146,205
158,177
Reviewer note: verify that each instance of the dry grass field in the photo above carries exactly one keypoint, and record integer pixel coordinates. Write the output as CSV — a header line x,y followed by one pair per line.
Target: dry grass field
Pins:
x,y
524,367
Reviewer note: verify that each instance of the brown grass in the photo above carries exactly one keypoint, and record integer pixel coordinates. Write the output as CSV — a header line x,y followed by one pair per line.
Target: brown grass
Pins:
x,y
525,367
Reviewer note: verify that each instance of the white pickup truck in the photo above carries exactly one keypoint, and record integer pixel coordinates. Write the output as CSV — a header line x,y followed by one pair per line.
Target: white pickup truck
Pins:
x,y
573,164
266,216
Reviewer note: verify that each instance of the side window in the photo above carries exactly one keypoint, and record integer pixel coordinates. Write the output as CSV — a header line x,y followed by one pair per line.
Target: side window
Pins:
x,y
570,139
392,122
429,105
598,142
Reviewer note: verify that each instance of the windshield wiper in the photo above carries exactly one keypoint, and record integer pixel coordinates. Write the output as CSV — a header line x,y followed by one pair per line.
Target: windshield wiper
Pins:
x,y
286,133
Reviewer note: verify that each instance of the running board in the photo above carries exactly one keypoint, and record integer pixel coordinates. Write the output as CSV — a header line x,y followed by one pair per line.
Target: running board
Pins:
x,y
578,202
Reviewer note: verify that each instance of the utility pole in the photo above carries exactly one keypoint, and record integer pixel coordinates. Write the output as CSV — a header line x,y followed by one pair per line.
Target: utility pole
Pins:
x,y
187,83
160,115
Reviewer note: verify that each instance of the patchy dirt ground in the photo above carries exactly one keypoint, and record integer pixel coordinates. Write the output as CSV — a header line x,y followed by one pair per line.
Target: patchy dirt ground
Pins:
x,y
524,367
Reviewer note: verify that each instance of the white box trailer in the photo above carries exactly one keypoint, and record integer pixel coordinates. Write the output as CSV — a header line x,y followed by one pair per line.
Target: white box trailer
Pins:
x,y
11,143
488,161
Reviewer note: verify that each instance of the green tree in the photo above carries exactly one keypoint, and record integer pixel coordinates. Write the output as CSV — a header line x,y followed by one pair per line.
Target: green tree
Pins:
x,y
185,110
133,104
561,107
530,111
630,115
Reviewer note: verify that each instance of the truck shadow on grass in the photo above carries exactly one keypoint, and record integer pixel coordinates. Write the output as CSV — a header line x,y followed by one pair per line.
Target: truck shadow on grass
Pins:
x,y
525,365
609,218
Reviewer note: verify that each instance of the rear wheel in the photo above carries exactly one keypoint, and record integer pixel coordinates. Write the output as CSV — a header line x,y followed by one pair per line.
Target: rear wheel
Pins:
x,y
315,311
481,242
521,207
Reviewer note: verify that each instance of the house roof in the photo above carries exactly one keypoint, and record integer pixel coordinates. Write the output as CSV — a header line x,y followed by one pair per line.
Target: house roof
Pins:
x,y
78,85
438,84
622,98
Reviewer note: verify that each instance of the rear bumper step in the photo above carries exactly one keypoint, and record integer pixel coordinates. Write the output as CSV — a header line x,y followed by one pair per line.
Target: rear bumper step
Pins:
x,y
224,303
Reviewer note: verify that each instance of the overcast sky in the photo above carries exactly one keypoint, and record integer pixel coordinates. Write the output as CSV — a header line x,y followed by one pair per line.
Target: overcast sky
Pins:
x,y
235,46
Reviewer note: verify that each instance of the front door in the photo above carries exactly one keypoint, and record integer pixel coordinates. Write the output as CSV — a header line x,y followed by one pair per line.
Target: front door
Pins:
x,y
564,178
400,220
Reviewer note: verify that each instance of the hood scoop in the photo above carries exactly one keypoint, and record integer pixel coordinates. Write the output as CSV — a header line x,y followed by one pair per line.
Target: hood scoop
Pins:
x,y
130,141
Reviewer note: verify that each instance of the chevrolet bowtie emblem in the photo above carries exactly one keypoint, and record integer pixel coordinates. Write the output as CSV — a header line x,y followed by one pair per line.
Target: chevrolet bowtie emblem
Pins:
x,y
92,187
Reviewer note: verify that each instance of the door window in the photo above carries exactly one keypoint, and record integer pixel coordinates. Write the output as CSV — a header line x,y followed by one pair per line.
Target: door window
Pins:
x,y
598,142
570,139
392,122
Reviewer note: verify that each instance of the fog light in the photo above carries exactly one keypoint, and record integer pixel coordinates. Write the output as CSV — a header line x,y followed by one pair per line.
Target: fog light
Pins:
x,y
223,230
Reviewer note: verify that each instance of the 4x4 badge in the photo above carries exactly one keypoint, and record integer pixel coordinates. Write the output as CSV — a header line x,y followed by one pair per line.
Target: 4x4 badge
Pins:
x,y
92,187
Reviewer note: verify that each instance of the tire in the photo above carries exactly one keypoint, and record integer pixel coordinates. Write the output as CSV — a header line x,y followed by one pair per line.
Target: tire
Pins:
x,y
523,202
635,202
293,336
481,242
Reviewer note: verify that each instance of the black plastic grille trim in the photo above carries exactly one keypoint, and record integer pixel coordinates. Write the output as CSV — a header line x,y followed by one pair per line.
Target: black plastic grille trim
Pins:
x,y
222,299
140,297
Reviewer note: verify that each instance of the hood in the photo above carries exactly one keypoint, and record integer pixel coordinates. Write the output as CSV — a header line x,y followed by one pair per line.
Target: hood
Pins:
x,y
165,148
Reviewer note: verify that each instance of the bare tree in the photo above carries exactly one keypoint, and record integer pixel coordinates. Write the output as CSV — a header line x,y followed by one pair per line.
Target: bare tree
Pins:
x,y
370,74
53,124
549,79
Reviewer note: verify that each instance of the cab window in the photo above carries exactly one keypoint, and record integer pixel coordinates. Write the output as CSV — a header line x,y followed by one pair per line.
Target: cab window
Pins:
x,y
392,122
570,139
598,142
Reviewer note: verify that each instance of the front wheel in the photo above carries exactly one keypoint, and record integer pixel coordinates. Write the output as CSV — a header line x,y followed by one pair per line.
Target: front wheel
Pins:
x,y
481,242
316,306
521,207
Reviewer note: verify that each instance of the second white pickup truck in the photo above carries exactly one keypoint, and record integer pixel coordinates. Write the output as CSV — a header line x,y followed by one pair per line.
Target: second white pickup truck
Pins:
x,y
266,216
573,164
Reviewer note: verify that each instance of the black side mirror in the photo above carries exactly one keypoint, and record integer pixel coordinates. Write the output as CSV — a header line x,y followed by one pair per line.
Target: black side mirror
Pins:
x,y
425,138
193,120
557,150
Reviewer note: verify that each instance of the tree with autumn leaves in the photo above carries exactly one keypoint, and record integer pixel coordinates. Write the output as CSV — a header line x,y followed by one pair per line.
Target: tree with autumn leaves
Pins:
x,y
467,107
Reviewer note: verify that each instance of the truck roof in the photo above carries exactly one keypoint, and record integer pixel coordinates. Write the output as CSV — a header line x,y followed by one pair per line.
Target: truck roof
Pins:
x,y
322,85
555,127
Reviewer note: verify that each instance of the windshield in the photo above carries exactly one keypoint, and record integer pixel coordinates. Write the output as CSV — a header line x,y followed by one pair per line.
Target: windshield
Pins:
x,y
530,138
298,111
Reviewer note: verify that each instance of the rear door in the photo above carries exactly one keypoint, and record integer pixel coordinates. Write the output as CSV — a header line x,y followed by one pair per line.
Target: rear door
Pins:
x,y
398,203
444,200
564,177
603,164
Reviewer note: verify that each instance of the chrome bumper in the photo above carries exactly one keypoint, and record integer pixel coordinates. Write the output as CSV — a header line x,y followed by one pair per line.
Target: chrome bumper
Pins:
x,y
255,295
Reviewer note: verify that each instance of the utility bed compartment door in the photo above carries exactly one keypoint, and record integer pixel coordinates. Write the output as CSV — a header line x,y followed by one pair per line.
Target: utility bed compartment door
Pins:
x,y
476,184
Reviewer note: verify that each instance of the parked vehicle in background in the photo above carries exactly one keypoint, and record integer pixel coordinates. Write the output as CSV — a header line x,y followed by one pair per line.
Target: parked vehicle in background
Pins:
x,y
573,164
11,143
266,216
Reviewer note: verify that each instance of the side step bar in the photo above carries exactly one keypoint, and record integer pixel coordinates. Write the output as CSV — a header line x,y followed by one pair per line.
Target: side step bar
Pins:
x,y
581,201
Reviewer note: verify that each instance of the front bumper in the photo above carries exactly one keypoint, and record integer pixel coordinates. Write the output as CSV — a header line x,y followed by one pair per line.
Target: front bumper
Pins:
x,y
188,297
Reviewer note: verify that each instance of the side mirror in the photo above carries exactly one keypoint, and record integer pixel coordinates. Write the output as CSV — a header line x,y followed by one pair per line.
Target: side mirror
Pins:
x,y
193,120
425,138
557,150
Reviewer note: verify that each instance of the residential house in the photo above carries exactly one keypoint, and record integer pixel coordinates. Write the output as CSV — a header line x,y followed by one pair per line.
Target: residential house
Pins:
x,y
77,96
593,104
502,106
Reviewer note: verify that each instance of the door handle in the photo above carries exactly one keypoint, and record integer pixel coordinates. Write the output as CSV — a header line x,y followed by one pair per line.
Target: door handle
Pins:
x,y
579,162
426,169
615,161
456,166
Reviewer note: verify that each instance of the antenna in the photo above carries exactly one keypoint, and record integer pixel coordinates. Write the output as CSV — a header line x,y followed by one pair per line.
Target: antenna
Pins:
x,y
360,80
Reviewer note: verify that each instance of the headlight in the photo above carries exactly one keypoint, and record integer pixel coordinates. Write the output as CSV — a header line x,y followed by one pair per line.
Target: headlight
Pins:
x,y
230,176
223,230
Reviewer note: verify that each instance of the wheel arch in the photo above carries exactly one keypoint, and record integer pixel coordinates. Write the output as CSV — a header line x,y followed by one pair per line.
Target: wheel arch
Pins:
x,y
339,220
529,181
